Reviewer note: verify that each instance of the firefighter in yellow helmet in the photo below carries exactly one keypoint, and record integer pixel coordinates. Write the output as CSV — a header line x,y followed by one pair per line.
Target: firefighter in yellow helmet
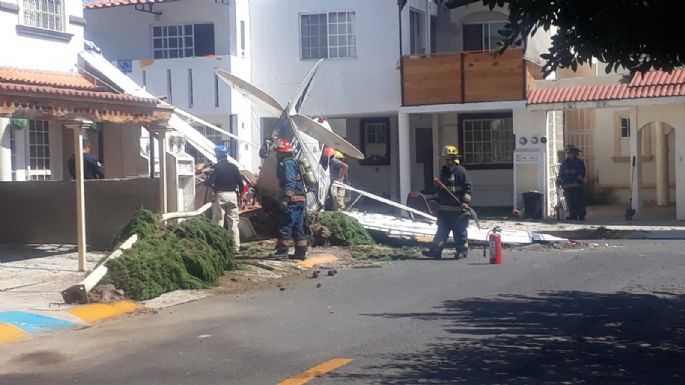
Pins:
x,y
454,198
338,170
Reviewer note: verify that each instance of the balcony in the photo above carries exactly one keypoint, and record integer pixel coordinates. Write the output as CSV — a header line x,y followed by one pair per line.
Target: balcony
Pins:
x,y
466,77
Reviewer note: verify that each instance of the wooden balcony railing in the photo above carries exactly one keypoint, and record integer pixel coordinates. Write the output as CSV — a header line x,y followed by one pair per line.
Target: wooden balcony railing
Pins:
x,y
466,77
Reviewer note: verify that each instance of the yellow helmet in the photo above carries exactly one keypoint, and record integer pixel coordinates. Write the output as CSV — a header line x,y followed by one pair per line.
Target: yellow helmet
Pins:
x,y
339,155
450,151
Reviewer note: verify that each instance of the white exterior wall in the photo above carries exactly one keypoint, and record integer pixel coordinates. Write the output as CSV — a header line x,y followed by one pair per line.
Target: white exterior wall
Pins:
x,y
367,84
122,33
529,158
31,52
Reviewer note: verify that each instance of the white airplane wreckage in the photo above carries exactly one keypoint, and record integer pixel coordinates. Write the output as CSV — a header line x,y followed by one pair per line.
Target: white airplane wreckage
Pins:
x,y
308,137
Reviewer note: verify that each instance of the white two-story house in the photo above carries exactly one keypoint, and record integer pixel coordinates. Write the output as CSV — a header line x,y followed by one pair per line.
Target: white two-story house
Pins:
x,y
402,83
51,99
172,48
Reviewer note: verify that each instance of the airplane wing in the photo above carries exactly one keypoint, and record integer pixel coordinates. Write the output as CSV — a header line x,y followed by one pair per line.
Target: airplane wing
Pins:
x,y
322,134
257,96
302,91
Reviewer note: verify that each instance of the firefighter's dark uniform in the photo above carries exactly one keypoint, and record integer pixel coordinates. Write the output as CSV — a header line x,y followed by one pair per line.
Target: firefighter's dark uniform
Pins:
x,y
451,215
292,226
571,178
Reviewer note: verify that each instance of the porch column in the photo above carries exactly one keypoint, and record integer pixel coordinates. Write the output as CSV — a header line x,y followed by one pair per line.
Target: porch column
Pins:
x,y
161,139
436,144
636,162
5,150
80,191
680,172
404,155
661,165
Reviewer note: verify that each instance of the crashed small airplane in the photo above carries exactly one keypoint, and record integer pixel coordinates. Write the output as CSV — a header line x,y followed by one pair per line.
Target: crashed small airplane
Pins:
x,y
308,137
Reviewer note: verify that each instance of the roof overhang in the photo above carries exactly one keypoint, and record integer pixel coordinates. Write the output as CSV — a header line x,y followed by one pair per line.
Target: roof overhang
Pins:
x,y
605,104
451,4
51,95
94,4
464,107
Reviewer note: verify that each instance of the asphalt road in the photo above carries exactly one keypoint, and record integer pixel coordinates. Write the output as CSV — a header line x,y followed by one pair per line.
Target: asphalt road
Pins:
x,y
608,315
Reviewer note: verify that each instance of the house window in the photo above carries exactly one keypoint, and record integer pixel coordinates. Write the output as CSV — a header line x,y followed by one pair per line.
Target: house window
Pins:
x,y
328,35
417,28
625,128
39,150
483,36
375,141
211,134
45,14
187,40
487,141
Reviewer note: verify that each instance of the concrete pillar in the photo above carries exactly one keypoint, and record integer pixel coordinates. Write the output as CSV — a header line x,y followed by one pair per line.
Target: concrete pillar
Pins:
x,y
80,191
636,162
662,181
161,139
436,144
404,156
680,173
5,150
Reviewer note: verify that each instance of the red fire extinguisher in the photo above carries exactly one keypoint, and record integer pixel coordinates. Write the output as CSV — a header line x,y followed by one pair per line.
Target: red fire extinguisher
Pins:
x,y
495,246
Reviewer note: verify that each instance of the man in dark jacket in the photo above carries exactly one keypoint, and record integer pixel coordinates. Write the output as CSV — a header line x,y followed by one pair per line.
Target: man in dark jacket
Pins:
x,y
572,180
92,169
226,182
453,204
292,224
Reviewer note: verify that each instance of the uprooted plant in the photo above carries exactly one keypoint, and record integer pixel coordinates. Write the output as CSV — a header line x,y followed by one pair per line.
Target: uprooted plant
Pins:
x,y
192,255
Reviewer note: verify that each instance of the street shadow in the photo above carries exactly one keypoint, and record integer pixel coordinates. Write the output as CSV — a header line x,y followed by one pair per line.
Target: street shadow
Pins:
x,y
553,338
15,252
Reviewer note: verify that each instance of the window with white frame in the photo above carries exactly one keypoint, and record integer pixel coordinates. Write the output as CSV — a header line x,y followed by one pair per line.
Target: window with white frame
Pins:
x,y
483,36
183,40
328,35
487,141
417,29
211,134
39,150
625,128
375,141
45,14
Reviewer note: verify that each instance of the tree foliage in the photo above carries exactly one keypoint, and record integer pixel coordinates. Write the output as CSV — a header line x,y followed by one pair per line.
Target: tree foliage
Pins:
x,y
639,35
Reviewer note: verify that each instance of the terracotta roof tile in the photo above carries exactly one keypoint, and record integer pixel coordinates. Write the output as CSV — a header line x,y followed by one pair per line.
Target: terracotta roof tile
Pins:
x,y
90,4
59,83
48,78
652,84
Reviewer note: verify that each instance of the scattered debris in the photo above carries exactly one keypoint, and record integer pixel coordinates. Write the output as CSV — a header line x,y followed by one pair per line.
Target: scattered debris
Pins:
x,y
105,294
318,285
382,252
336,229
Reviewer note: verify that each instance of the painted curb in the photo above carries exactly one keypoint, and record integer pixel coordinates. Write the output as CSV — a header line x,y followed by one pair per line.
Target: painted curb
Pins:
x,y
318,260
16,325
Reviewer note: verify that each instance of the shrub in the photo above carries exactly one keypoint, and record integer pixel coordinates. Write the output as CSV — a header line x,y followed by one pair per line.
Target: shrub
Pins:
x,y
192,255
345,230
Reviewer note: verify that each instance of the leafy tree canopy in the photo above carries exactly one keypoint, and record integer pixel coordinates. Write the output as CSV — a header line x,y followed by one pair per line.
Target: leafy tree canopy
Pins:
x,y
639,35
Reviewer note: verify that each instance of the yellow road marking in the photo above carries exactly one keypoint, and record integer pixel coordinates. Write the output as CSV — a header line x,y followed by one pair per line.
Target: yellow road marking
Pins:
x,y
313,261
100,311
316,371
10,333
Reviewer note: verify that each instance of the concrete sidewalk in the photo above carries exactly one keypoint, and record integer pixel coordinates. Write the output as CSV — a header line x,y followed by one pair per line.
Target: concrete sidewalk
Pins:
x,y
601,221
31,280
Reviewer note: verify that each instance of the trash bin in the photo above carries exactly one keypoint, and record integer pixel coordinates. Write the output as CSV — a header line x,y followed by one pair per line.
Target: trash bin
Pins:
x,y
532,204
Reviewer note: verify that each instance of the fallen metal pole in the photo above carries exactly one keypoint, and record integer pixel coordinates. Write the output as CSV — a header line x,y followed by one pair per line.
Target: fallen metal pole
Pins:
x,y
386,201
186,214
79,293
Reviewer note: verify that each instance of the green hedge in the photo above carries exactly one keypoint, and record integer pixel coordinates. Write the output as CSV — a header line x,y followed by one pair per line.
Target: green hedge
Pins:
x,y
192,255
